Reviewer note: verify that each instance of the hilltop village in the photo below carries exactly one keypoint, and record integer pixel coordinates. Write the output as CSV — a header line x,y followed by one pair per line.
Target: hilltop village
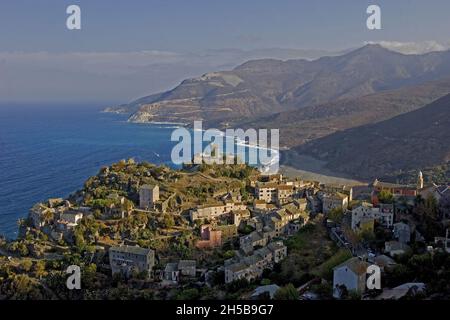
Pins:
x,y
138,230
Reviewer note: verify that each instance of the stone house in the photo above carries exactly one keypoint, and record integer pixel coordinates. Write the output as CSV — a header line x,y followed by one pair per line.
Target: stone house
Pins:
x,y
252,267
148,196
383,216
266,192
129,259
402,232
210,238
334,201
350,274
212,211
187,268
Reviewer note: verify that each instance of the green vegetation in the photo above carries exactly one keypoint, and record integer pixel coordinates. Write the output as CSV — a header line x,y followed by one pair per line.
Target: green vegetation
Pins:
x,y
336,214
386,197
325,270
307,251
287,292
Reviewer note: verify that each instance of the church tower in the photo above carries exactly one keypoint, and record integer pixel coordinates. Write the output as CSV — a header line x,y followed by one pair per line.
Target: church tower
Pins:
x,y
420,181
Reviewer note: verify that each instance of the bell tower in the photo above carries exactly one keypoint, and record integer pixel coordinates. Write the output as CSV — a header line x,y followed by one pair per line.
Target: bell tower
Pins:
x,y
420,181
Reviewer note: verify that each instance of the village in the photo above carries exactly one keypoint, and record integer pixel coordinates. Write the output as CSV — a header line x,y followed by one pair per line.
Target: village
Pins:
x,y
239,233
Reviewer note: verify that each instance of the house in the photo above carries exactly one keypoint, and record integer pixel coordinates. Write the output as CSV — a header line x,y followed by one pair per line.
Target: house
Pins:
x,y
397,190
384,262
129,259
334,201
175,270
406,289
259,204
279,220
295,226
229,231
55,202
252,240
278,249
171,272
394,248
41,215
66,224
402,232
272,178
276,224
212,211
332,188
148,196
187,268
301,204
251,267
240,215
284,193
266,192
366,211
256,223
314,203
237,271
350,275
119,208
210,238
71,217
265,291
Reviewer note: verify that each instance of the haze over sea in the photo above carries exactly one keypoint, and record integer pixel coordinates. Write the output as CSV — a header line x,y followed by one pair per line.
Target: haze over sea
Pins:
x,y
49,151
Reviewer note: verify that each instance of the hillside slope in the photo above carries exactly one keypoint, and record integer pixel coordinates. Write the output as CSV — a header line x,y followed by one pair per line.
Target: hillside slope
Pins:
x,y
414,140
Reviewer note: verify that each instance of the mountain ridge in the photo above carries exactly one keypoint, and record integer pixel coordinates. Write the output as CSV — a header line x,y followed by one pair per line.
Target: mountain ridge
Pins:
x,y
267,86
412,140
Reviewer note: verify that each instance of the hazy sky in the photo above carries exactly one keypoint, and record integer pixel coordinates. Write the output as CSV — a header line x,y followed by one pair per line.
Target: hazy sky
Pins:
x,y
177,31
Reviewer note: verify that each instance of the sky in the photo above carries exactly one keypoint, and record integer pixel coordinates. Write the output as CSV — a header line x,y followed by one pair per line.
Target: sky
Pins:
x,y
126,49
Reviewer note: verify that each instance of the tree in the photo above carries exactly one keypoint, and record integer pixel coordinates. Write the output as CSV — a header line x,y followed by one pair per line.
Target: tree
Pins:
x,y
288,292
39,269
168,221
188,294
444,205
385,197
336,214
26,265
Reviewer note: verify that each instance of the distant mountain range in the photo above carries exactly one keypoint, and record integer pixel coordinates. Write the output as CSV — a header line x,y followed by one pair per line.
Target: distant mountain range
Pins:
x,y
316,121
308,100
262,87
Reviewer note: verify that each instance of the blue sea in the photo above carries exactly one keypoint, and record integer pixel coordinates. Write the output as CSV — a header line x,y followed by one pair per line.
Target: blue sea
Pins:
x,y
49,151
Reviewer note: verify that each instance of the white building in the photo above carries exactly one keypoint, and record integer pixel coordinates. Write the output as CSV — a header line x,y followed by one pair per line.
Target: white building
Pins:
x,y
266,192
352,275
367,211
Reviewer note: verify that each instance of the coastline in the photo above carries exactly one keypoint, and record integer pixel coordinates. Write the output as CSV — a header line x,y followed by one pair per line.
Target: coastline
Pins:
x,y
292,172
